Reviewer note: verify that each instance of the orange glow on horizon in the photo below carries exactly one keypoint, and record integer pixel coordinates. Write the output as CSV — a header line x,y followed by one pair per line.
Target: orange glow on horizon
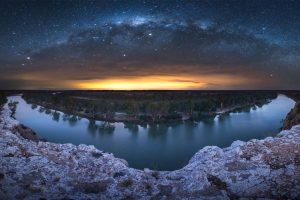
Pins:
x,y
162,82
151,82
142,83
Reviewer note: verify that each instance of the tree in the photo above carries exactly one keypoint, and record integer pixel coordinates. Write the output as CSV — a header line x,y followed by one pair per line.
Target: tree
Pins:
x,y
3,98
132,108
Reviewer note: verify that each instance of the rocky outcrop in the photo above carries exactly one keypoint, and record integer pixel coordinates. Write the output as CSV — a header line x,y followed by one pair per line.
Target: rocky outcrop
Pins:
x,y
25,132
293,117
31,169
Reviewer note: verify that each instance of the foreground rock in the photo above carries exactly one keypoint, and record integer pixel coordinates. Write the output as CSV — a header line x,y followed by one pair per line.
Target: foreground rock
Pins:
x,y
31,169
25,132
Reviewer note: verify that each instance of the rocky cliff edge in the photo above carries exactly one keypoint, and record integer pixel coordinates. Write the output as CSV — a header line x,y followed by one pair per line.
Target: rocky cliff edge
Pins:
x,y
31,169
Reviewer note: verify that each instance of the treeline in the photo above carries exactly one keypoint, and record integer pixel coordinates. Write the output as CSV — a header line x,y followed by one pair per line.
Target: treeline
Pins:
x,y
293,94
145,105
155,95
3,98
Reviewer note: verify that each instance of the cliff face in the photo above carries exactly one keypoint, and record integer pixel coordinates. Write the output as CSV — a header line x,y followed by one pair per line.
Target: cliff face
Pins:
x,y
293,117
268,168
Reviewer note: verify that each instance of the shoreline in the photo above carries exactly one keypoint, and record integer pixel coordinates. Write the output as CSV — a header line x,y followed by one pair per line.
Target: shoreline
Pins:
x,y
126,118
268,168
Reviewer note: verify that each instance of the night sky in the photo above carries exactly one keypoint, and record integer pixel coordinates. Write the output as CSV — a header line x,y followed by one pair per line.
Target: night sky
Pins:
x,y
247,44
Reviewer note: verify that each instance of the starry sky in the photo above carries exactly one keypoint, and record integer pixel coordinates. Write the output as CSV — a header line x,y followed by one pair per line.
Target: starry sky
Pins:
x,y
110,44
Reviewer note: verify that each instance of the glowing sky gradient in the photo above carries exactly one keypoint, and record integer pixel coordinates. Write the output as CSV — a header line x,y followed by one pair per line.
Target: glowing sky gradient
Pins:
x,y
129,45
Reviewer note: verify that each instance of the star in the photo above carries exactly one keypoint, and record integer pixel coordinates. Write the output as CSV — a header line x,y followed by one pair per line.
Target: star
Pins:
x,y
195,38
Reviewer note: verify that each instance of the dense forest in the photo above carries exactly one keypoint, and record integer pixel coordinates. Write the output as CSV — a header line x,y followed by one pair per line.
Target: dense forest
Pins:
x,y
3,98
146,106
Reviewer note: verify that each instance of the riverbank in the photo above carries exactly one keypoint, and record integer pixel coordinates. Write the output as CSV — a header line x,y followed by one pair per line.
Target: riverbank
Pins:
x,y
147,106
268,168
144,118
293,117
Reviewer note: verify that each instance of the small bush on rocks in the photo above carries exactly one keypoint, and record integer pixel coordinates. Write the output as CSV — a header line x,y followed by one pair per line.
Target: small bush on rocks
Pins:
x,y
126,183
155,174
96,155
118,174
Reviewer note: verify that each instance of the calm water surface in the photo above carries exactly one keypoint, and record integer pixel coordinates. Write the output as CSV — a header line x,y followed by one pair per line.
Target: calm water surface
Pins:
x,y
163,146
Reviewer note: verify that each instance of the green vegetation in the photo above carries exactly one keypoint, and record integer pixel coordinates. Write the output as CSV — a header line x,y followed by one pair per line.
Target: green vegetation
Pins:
x,y
155,174
126,183
293,117
13,107
146,106
3,98
296,109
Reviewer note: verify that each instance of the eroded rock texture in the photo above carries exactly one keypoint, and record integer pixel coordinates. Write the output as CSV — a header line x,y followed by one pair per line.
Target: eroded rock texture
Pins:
x,y
31,169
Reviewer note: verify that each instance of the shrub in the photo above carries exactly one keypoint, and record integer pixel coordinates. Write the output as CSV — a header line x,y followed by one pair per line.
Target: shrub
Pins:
x,y
3,98
126,183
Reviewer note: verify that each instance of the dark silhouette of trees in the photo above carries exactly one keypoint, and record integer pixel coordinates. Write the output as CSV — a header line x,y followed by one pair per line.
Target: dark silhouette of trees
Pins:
x,y
12,105
3,98
146,105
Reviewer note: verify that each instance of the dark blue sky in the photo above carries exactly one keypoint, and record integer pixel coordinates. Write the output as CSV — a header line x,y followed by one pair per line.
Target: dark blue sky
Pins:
x,y
218,44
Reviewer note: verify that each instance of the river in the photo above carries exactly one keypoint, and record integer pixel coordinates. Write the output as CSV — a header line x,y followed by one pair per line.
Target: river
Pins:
x,y
165,146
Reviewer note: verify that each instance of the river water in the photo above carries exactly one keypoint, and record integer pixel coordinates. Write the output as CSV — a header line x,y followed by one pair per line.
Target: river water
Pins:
x,y
165,146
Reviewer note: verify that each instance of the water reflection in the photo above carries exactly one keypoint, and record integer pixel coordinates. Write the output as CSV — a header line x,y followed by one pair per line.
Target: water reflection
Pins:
x,y
92,127
164,146
158,131
41,109
65,117
106,128
47,111
55,116
72,120
33,106
132,127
